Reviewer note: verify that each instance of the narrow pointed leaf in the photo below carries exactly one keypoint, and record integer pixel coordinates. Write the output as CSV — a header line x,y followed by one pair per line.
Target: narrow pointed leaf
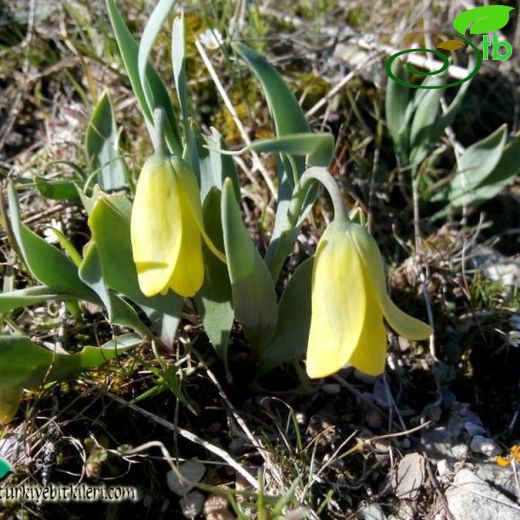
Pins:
x,y
30,296
294,316
159,95
110,227
214,301
504,174
316,148
477,162
119,311
216,167
101,147
45,262
254,297
25,364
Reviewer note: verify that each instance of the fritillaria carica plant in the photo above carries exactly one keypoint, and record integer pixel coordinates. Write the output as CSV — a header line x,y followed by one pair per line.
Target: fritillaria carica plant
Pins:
x,y
177,232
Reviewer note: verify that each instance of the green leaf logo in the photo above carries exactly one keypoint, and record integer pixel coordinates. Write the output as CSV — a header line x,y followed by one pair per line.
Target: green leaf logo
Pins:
x,y
5,469
482,20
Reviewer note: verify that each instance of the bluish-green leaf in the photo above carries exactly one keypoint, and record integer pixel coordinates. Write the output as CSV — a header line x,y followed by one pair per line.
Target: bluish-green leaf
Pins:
x,y
292,329
30,296
101,147
25,364
159,95
396,101
214,300
216,167
119,311
110,225
477,162
254,297
317,148
504,174
46,263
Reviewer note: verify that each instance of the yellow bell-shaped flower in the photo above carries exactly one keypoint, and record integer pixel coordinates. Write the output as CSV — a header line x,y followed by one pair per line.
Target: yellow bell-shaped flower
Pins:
x,y
349,302
166,228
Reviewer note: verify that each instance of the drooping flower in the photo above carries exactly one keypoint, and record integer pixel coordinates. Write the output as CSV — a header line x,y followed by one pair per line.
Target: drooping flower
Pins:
x,y
349,302
166,228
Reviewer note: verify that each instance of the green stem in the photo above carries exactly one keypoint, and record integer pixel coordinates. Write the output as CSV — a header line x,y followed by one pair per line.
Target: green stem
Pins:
x,y
157,135
326,179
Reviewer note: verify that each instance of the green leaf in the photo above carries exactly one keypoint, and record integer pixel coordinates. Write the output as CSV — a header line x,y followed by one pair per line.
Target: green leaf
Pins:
x,y
25,364
119,311
193,139
30,296
317,148
214,301
215,167
60,189
179,66
292,329
477,162
158,94
481,20
110,225
254,297
289,118
504,174
396,101
46,263
101,146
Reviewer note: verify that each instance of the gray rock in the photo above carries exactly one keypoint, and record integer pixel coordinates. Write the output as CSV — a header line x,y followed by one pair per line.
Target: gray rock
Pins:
x,y
371,512
474,429
443,468
470,498
440,443
460,451
485,446
501,478
192,504
408,477
192,470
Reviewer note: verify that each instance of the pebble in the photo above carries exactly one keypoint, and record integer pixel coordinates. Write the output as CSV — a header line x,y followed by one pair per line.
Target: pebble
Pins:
x,y
192,504
371,512
474,429
470,498
193,470
485,446
443,468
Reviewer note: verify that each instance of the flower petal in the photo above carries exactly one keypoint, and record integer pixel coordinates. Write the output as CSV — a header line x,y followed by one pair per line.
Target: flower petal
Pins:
x,y
155,225
370,354
400,321
188,275
188,182
338,303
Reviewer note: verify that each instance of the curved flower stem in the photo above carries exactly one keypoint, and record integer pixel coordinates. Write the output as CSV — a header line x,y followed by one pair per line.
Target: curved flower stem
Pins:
x,y
157,135
326,179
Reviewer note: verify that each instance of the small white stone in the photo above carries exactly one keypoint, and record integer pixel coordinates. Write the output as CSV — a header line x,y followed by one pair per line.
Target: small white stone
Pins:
x,y
459,451
192,504
484,445
443,468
